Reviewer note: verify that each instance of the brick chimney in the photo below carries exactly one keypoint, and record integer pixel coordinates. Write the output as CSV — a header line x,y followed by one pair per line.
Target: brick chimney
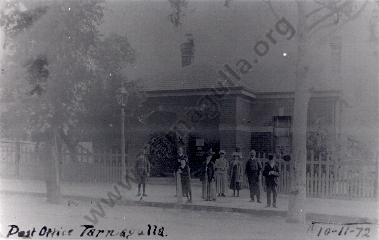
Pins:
x,y
187,50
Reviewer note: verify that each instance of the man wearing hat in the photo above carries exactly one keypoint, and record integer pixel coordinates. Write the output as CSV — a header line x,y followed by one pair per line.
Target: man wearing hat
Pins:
x,y
271,173
210,151
221,168
252,170
208,179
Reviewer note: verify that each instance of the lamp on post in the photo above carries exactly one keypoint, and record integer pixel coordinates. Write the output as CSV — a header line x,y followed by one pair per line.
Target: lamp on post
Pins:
x,y
123,100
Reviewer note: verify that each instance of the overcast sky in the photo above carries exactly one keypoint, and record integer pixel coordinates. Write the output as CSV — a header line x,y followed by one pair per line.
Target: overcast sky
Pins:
x,y
225,35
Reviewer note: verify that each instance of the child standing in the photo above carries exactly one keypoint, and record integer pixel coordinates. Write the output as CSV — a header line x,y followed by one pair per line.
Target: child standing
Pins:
x,y
142,169
236,174
185,174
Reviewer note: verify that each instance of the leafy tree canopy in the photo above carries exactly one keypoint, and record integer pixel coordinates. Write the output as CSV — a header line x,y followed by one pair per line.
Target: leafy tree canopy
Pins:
x,y
60,69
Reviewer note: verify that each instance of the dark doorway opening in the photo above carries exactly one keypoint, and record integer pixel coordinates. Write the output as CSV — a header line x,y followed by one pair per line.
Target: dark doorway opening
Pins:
x,y
198,145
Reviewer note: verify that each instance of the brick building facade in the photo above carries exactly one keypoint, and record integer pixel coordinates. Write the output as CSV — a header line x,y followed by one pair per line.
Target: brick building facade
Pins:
x,y
200,118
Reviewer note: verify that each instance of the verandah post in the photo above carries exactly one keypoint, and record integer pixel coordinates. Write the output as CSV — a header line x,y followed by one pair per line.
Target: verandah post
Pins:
x,y
179,194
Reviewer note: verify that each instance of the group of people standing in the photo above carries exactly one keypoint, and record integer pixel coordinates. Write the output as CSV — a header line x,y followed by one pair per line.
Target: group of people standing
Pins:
x,y
217,174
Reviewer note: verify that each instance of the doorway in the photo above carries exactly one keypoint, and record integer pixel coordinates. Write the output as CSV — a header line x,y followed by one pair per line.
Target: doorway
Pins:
x,y
198,145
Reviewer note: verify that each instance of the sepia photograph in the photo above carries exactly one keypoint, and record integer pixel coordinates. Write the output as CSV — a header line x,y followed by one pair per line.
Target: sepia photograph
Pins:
x,y
189,119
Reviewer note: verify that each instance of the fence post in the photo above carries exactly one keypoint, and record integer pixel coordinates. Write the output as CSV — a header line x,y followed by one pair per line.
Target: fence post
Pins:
x,y
319,184
312,175
18,158
376,180
323,185
328,177
308,181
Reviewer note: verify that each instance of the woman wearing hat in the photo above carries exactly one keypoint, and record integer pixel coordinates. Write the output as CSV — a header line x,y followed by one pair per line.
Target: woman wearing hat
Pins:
x,y
221,168
179,157
236,174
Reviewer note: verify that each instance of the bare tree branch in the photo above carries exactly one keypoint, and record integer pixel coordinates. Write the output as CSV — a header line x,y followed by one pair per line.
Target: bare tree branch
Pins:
x,y
351,18
324,26
323,6
357,14
269,4
316,23
315,11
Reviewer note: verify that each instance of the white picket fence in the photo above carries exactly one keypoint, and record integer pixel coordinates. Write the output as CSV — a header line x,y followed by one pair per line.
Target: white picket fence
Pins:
x,y
326,178
332,180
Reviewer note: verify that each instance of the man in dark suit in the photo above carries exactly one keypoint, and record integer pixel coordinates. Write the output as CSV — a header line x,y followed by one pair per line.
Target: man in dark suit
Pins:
x,y
271,174
253,169
208,179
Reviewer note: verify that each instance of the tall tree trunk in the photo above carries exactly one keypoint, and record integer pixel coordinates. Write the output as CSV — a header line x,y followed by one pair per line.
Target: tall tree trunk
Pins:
x,y
297,198
72,145
53,192
374,41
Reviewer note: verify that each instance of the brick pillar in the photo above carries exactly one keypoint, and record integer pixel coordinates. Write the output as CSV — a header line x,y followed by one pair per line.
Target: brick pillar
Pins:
x,y
234,127
243,138
227,125
228,142
243,125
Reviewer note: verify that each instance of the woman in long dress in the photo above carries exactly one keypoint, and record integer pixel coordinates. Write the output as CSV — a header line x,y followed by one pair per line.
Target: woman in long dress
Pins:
x,y
236,175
